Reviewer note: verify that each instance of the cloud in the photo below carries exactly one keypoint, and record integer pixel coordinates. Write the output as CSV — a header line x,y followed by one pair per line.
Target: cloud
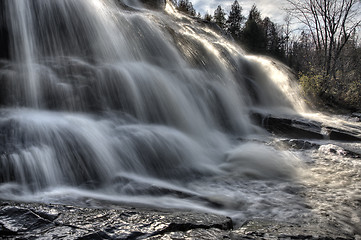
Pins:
x,y
204,6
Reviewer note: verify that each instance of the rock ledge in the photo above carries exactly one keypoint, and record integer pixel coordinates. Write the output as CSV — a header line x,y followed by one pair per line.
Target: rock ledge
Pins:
x,y
40,221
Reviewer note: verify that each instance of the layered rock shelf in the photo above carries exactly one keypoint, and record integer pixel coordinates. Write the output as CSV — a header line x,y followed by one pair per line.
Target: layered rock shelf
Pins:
x,y
40,221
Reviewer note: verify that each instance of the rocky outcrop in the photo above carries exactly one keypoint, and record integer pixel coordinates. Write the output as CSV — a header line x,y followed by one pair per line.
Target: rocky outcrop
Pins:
x,y
154,4
32,221
300,128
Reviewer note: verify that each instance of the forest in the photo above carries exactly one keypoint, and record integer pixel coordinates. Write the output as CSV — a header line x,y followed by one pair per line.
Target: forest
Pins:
x,y
318,40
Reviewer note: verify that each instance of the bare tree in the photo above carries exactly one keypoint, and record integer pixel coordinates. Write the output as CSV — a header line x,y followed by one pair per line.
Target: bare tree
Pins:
x,y
331,23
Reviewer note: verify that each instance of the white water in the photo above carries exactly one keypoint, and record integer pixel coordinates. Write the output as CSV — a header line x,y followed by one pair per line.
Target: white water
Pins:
x,y
144,107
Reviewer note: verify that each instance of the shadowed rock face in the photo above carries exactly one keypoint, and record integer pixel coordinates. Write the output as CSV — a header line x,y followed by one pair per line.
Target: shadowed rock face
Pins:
x,y
154,4
300,128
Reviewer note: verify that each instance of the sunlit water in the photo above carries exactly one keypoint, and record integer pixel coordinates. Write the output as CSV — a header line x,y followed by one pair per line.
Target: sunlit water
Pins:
x,y
134,106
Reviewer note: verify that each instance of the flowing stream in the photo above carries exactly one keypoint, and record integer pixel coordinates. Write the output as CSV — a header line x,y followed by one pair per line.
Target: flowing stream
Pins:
x,y
111,101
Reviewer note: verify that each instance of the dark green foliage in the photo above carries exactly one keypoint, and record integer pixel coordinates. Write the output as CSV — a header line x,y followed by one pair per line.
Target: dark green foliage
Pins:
x,y
220,17
253,34
235,20
208,17
187,7
174,2
275,41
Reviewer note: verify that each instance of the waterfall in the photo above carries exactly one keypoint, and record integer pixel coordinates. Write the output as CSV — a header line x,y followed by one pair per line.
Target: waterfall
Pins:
x,y
114,99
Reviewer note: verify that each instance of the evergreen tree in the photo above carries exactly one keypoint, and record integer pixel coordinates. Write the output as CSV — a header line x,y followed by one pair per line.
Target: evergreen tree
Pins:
x,y
190,9
253,35
235,20
174,2
220,17
187,7
182,5
208,17
274,41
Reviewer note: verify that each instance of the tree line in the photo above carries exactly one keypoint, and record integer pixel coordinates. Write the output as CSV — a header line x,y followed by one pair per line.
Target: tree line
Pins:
x,y
322,46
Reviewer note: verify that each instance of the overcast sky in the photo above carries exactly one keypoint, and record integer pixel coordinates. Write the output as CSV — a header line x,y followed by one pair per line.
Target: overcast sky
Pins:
x,y
268,8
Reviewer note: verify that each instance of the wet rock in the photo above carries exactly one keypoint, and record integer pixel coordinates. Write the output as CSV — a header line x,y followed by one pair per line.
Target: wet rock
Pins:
x,y
338,150
291,128
4,33
263,229
4,43
25,221
154,4
300,144
300,128
33,221
356,115
340,135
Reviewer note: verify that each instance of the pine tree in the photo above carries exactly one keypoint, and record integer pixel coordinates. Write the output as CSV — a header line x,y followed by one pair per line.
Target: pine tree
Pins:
x,y
190,9
220,17
274,41
235,20
187,7
182,5
208,17
253,34
174,2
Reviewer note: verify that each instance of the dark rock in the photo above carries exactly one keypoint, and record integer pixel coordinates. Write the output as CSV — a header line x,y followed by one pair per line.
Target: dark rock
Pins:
x,y
356,115
263,229
300,128
154,4
25,221
339,150
33,221
300,144
292,128
4,43
4,33
340,135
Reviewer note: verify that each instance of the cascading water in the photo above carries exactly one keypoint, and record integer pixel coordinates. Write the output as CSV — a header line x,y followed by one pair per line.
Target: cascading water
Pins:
x,y
109,100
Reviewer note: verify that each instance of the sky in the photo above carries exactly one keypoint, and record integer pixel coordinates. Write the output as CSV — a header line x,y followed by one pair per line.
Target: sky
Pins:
x,y
268,8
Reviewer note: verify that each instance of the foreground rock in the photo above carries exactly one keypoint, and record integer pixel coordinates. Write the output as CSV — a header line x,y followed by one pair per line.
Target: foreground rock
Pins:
x,y
26,221
300,128
39,221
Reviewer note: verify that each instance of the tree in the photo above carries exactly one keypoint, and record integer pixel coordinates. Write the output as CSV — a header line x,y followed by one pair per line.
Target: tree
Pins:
x,y
220,17
187,7
174,2
330,24
191,10
253,35
287,32
208,17
274,40
235,20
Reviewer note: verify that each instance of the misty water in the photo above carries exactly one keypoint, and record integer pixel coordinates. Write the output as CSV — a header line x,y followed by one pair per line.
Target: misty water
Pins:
x,y
109,101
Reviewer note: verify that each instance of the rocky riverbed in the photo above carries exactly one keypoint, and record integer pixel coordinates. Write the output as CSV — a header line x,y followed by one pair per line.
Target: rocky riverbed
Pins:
x,y
41,221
